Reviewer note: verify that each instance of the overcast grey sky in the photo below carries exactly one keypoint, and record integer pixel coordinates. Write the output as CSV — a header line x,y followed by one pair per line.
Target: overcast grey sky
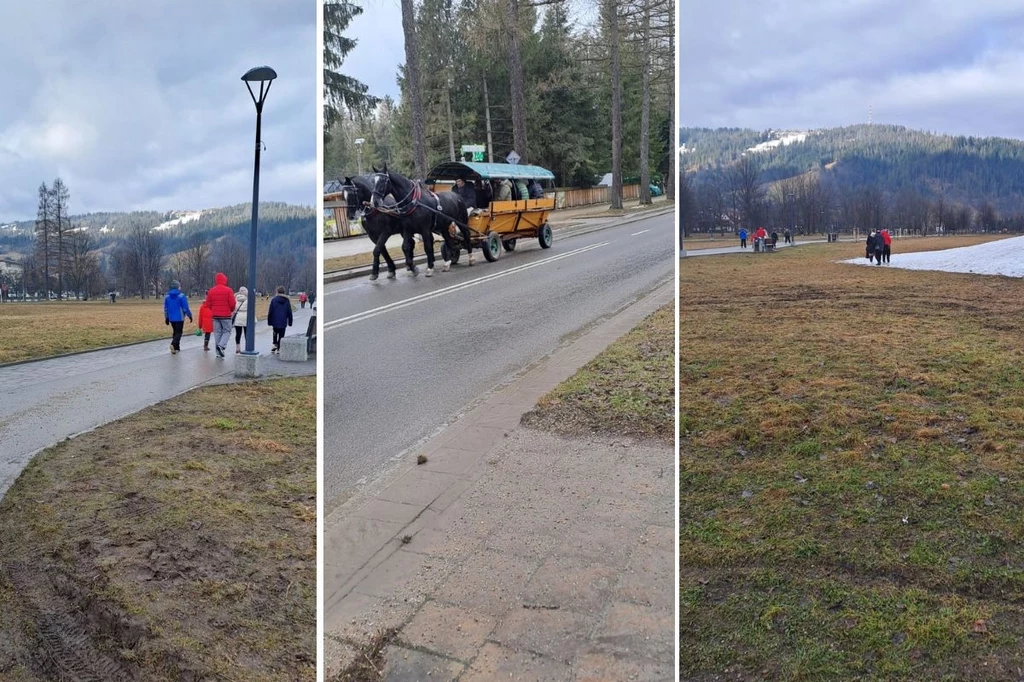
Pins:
x,y
952,66
140,105
380,47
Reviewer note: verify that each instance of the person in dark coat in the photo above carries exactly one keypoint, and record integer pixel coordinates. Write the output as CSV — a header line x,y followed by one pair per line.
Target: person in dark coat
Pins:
x,y
279,316
535,190
467,192
869,247
175,312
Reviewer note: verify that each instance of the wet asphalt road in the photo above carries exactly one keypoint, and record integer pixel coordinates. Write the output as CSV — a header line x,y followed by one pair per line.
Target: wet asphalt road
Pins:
x,y
404,357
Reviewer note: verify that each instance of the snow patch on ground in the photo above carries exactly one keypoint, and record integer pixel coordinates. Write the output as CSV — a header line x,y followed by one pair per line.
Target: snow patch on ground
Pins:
x,y
182,218
1002,257
782,139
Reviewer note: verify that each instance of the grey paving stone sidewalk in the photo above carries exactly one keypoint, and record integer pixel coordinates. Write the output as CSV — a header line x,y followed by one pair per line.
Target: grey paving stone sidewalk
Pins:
x,y
46,401
555,562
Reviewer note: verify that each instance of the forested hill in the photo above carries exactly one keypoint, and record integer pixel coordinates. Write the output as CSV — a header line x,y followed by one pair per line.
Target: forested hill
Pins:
x,y
284,226
966,170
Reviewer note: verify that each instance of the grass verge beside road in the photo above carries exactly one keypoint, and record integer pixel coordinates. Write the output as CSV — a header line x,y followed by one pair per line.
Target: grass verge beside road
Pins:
x,y
851,469
627,390
178,543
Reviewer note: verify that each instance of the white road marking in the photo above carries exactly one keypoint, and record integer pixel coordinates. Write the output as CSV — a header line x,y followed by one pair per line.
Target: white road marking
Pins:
x,y
640,232
367,314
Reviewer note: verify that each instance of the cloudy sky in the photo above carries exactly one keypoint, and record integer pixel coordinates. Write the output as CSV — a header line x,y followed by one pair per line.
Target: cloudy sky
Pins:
x,y
380,47
952,66
140,105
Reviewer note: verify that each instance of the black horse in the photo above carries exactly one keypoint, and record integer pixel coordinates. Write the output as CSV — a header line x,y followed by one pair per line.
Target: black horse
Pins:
x,y
379,225
421,210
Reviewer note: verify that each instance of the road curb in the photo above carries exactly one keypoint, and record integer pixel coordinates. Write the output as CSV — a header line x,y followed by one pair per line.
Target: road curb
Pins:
x,y
78,352
367,531
570,230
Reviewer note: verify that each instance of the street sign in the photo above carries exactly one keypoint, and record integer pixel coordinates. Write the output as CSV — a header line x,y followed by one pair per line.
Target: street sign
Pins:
x,y
473,152
512,157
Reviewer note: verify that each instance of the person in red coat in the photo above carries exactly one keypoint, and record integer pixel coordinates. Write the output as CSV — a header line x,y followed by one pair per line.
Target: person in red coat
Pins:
x,y
759,238
205,323
886,245
220,299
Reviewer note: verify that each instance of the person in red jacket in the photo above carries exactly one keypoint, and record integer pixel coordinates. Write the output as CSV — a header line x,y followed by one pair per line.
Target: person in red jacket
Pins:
x,y
759,237
886,245
221,301
205,323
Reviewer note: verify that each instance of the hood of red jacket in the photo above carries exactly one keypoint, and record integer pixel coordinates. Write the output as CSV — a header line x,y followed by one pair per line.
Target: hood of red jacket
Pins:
x,y
221,279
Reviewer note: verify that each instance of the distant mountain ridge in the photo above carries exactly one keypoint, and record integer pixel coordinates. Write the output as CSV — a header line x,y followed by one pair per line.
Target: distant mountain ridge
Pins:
x,y
280,224
960,169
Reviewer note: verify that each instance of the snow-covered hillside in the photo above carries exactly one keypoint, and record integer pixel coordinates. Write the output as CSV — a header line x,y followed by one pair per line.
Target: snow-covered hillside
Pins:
x,y
181,217
782,138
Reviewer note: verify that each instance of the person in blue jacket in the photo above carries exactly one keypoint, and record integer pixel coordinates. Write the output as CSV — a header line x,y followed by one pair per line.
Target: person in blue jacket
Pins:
x,y
743,237
279,316
175,312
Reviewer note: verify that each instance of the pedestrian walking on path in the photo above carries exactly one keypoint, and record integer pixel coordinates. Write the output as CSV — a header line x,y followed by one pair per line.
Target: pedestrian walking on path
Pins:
x,y
886,245
743,237
279,316
206,322
221,300
239,316
175,312
302,299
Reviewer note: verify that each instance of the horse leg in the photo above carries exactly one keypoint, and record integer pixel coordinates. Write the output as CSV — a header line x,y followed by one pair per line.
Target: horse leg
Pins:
x,y
469,244
409,249
428,246
390,262
380,246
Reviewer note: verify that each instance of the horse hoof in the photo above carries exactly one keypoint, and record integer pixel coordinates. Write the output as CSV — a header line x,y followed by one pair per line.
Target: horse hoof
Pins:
x,y
430,272
373,277
391,274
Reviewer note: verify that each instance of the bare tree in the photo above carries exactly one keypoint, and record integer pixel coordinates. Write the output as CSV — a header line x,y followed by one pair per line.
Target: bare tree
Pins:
x,y
60,196
139,260
196,261
412,76
611,12
45,241
516,80
747,190
83,265
231,257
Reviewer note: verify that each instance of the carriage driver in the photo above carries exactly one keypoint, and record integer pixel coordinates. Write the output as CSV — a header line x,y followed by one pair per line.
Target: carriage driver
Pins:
x,y
467,192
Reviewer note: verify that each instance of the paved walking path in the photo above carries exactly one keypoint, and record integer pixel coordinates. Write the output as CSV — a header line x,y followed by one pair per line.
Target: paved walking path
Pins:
x,y
44,402
350,246
511,553
750,248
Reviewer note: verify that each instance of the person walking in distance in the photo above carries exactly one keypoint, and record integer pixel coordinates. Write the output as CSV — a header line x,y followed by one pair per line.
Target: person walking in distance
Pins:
x,y
221,300
175,312
869,250
302,299
279,316
239,316
743,237
886,245
206,323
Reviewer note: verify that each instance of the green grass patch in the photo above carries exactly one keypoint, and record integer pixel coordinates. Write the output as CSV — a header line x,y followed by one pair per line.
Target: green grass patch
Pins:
x,y
850,469
627,390
165,546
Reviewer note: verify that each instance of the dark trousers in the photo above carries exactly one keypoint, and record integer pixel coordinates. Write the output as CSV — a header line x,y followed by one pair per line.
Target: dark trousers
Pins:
x,y
886,252
278,335
239,333
206,339
176,328
302,304
743,243
878,256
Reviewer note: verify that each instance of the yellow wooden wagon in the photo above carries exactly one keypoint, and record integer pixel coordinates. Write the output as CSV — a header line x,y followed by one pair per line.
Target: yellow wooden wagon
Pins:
x,y
497,224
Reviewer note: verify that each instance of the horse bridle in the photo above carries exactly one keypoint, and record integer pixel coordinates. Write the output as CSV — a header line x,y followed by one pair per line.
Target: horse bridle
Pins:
x,y
407,205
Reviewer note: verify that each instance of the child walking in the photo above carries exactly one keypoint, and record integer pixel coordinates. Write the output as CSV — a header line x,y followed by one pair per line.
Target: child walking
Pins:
x,y
206,322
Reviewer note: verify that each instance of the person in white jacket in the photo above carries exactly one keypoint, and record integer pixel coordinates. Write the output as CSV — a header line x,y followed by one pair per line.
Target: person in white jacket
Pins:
x,y
239,316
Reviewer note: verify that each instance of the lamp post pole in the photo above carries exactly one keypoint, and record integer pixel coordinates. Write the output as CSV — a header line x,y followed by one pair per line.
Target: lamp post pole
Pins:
x,y
264,75
359,154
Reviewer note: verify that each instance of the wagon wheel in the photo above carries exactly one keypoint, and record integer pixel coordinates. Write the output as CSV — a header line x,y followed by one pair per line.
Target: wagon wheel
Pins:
x,y
492,247
509,244
545,237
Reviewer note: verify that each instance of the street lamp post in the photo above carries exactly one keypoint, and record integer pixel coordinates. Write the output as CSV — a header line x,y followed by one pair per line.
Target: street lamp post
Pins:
x,y
264,76
359,154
